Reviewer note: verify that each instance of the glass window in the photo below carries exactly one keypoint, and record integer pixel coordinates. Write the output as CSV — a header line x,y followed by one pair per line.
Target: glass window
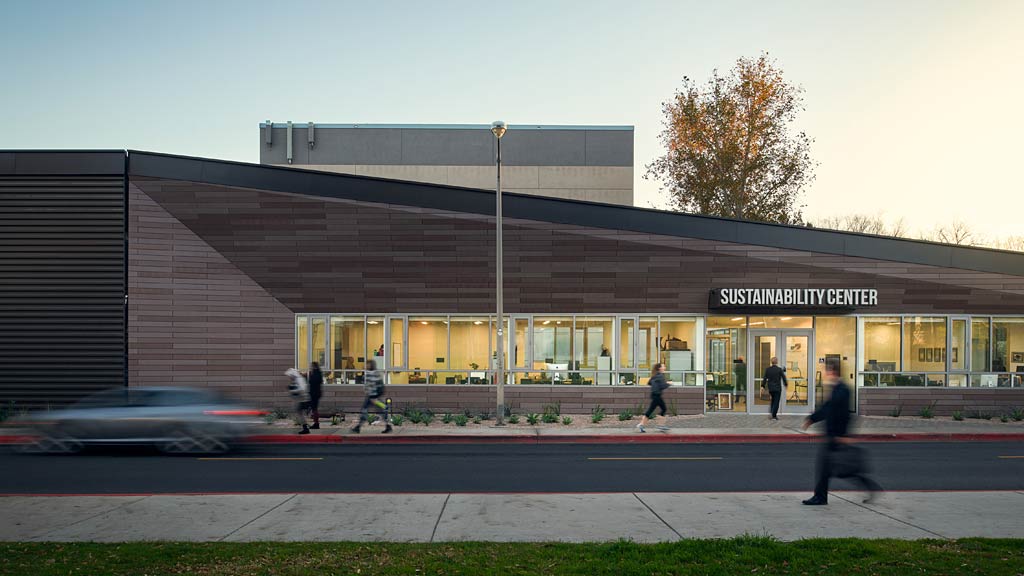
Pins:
x,y
981,353
319,340
396,352
627,341
348,343
593,343
958,345
677,344
924,344
375,340
1008,345
782,322
726,349
647,350
835,340
521,348
494,343
302,342
428,346
470,343
552,341
882,344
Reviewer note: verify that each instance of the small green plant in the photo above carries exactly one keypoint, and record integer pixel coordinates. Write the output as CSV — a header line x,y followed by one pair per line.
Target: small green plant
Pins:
x,y
268,418
626,414
549,418
426,418
461,420
1017,414
979,415
279,414
397,419
566,420
513,418
477,420
597,414
371,418
927,411
467,413
485,415
532,418
555,409
958,415
673,409
895,412
447,418
1004,418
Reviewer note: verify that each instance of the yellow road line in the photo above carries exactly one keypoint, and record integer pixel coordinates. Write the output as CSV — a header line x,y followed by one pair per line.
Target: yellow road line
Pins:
x,y
693,458
259,458
1008,457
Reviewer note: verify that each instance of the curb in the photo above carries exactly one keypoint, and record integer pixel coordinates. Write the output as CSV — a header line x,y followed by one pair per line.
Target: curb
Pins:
x,y
601,438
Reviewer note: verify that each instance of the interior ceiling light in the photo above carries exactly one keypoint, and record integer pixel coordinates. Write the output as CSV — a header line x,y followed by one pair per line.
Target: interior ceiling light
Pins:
x,y
372,322
478,322
786,318
546,322
737,319
424,322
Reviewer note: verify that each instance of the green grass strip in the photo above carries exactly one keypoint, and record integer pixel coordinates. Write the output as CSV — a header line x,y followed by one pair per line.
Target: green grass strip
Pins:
x,y
744,555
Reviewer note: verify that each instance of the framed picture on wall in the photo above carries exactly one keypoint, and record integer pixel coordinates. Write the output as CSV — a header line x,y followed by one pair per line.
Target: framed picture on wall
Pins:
x,y
929,354
920,354
724,401
1017,357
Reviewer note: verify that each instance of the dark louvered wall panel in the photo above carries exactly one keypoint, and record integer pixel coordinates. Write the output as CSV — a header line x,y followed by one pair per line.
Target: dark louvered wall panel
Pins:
x,y
62,275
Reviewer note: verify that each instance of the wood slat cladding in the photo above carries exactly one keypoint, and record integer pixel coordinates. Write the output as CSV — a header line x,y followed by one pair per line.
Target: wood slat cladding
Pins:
x,y
62,283
328,255
944,401
195,319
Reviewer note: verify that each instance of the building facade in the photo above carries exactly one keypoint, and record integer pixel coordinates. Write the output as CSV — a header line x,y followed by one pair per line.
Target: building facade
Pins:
x,y
234,272
593,163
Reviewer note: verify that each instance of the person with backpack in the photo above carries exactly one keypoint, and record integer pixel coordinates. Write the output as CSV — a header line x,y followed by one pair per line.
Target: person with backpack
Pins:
x,y
298,388
373,387
658,385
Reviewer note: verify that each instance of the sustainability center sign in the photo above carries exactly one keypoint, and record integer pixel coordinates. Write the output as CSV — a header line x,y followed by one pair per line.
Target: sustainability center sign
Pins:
x,y
790,299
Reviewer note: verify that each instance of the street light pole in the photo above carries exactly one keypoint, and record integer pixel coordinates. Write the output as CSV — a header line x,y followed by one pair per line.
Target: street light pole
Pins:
x,y
498,129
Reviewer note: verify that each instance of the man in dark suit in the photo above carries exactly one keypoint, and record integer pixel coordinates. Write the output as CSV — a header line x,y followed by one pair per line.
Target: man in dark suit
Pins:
x,y
836,414
774,380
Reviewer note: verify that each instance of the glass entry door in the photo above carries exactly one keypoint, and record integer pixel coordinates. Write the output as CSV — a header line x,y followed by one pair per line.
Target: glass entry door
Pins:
x,y
793,349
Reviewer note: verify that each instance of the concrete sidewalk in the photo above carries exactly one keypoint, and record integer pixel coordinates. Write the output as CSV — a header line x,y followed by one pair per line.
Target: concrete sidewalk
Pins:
x,y
642,517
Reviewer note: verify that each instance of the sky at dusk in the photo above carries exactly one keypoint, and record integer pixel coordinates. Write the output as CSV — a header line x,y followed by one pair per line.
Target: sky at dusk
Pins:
x,y
914,106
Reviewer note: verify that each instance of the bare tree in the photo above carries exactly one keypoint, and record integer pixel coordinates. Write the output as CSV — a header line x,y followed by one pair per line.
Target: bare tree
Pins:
x,y
957,232
863,223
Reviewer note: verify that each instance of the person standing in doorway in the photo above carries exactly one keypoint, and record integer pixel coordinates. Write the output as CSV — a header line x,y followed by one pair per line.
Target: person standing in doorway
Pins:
x,y
373,387
316,388
775,381
658,385
836,415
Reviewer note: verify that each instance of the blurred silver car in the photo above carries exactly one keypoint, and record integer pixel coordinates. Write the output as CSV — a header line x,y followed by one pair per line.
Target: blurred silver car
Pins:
x,y
175,420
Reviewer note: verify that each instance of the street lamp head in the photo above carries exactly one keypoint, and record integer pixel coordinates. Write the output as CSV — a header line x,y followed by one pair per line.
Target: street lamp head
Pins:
x,y
498,129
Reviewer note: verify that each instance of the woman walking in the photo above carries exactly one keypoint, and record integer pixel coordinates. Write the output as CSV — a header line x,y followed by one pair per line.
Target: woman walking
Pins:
x,y
316,389
658,385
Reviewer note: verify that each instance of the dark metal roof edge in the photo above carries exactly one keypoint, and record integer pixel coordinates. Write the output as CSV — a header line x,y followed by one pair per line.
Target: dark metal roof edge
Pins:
x,y
578,212
62,162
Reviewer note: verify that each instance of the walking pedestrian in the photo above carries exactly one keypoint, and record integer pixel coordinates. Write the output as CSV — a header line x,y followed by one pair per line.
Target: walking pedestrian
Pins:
x,y
316,388
373,387
658,385
836,452
774,380
299,390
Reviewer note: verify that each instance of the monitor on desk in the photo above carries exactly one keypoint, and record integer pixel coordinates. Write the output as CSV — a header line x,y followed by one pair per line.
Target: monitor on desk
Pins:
x,y
559,370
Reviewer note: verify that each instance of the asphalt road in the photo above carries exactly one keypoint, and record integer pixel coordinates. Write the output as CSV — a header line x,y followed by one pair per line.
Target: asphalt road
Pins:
x,y
508,468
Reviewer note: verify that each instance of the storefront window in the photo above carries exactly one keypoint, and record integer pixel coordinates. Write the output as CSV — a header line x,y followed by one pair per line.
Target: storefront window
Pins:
x,y
470,343
678,344
396,351
647,348
783,322
1008,345
520,348
726,349
302,342
981,352
552,342
319,341
835,341
348,343
924,344
958,344
881,344
593,343
374,341
627,342
428,347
